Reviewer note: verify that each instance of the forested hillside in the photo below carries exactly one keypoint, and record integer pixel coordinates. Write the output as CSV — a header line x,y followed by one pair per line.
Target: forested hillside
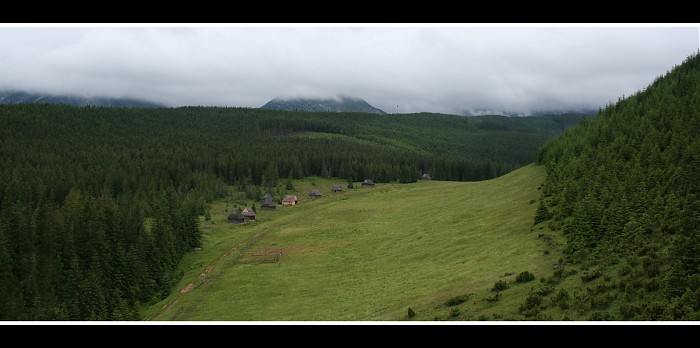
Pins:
x,y
14,96
98,205
624,187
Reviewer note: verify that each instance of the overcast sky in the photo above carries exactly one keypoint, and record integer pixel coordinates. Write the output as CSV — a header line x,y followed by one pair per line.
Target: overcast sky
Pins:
x,y
397,69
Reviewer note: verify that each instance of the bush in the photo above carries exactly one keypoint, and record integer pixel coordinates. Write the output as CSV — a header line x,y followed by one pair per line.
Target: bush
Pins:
x,y
602,301
457,300
411,312
455,312
524,277
493,298
590,275
500,285
562,299
624,270
531,307
629,311
542,213
544,289
601,316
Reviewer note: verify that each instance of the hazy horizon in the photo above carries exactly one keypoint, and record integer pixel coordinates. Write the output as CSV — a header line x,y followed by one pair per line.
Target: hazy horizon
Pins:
x,y
405,69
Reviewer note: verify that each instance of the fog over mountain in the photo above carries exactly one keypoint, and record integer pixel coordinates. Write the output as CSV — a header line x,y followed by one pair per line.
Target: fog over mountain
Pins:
x,y
337,104
453,69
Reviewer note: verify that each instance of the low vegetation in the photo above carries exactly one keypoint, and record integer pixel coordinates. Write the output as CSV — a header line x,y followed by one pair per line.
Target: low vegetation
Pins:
x,y
370,254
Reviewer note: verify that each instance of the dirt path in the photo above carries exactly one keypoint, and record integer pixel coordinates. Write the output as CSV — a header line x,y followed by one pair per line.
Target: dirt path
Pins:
x,y
206,276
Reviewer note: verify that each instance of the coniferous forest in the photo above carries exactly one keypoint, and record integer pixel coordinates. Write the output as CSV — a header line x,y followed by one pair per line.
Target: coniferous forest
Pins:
x,y
624,189
98,205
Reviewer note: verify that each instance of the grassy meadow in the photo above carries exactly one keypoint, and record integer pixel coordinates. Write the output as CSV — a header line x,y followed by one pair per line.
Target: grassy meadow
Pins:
x,y
369,254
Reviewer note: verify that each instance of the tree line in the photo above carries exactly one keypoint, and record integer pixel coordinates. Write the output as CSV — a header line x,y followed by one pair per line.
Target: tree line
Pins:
x,y
623,187
98,205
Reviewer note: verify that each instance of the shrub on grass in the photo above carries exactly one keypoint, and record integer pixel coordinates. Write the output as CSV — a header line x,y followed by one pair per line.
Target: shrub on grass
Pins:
x,y
545,289
457,300
602,301
542,213
500,285
561,298
531,307
524,277
493,298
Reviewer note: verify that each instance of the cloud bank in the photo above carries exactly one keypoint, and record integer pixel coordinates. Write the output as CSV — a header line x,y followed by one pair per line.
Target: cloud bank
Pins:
x,y
397,69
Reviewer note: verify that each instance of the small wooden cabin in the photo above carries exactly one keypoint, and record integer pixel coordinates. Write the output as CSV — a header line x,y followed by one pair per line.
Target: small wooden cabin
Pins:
x,y
236,217
337,188
290,200
248,214
315,193
426,176
268,204
368,183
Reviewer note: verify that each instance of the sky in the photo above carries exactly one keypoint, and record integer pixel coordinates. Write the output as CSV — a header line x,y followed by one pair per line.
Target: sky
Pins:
x,y
456,69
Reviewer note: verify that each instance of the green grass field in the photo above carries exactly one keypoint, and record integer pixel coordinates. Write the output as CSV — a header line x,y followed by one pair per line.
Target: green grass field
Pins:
x,y
369,254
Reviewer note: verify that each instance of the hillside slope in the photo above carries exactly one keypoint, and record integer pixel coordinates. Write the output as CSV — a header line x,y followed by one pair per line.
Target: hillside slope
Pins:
x,y
623,187
369,254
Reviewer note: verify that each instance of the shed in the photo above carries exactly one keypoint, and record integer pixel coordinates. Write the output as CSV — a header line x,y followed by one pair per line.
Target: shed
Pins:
x,y
290,200
426,176
268,204
236,217
315,193
248,214
266,196
337,188
368,183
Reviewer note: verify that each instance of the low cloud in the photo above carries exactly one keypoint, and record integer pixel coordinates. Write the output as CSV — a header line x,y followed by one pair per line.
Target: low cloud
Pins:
x,y
443,69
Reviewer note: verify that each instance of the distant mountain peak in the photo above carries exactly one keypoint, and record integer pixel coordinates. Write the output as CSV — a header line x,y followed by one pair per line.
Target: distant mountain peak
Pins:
x,y
15,96
336,104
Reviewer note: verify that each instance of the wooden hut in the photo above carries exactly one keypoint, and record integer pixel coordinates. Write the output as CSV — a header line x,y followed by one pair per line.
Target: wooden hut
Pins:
x,y
368,183
266,196
268,204
315,193
290,200
248,214
236,217
426,176
337,188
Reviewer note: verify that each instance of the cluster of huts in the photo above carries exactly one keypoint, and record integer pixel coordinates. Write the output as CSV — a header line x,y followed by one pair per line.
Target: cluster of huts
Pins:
x,y
268,203
241,217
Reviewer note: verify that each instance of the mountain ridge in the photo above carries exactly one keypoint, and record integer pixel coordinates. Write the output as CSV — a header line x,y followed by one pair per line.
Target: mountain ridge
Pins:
x,y
339,104
17,96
